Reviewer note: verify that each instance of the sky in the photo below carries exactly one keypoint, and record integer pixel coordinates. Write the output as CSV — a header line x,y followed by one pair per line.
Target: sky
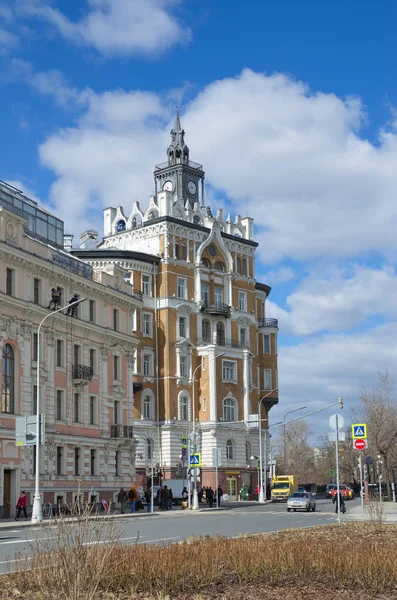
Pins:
x,y
292,109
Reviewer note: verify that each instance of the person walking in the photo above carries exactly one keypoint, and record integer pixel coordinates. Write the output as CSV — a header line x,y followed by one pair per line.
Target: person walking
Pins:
x,y
219,493
122,499
21,506
210,496
164,496
341,503
132,496
170,497
148,498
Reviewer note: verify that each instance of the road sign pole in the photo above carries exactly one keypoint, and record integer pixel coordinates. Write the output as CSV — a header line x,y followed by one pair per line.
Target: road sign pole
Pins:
x,y
216,485
189,478
360,466
337,467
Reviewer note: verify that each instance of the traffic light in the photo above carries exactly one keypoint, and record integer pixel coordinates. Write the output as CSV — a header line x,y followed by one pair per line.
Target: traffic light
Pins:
x,y
340,402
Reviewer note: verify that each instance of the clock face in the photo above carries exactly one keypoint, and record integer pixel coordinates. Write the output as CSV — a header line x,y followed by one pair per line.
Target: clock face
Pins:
x,y
168,186
191,187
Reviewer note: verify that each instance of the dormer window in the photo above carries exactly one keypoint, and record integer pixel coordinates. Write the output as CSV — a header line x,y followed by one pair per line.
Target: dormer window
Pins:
x,y
121,225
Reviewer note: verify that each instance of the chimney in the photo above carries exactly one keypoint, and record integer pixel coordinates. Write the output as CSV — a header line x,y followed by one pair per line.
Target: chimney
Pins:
x,y
68,242
89,240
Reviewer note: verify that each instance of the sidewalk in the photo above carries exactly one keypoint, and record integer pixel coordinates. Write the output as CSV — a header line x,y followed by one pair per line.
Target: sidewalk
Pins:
x,y
355,513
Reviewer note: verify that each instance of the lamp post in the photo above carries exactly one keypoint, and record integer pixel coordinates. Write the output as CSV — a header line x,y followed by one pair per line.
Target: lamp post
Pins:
x,y
267,433
261,496
195,505
285,441
37,512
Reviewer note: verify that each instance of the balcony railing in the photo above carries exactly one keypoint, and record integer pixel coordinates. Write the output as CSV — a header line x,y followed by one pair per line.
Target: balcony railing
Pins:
x,y
217,308
82,372
221,341
122,431
188,163
137,294
268,323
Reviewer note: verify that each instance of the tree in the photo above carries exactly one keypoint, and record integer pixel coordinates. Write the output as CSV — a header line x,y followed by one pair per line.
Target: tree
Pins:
x,y
299,454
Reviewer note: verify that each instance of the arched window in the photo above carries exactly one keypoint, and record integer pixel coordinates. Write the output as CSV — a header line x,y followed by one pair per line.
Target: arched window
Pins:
x,y
238,265
244,267
248,453
183,408
120,225
8,372
152,215
196,220
205,262
229,409
219,266
220,333
147,406
206,330
230,450
149,449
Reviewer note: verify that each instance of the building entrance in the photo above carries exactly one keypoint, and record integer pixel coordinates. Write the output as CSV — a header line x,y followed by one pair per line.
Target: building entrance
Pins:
x,y
231,488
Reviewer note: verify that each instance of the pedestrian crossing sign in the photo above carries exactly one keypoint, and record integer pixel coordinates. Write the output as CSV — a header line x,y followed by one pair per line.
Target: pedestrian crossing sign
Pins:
x,y
183,442
359,431
195,460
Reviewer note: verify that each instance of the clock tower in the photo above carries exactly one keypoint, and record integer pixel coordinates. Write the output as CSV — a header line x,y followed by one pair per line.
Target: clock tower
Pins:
x,y
179,175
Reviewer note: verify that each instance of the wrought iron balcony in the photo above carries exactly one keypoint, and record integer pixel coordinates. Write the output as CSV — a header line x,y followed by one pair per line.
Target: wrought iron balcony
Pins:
x,y
217,308
268,323
122,431
82,373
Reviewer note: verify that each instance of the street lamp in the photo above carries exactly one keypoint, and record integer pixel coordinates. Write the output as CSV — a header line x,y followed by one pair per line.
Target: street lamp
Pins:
x,y
195,505
261,497
37,512
285,441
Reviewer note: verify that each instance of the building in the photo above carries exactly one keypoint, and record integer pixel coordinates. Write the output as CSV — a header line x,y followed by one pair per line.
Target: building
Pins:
x,y
86,361
207,351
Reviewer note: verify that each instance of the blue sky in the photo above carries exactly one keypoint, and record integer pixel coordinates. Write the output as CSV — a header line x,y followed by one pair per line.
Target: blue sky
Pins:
x,y
289,105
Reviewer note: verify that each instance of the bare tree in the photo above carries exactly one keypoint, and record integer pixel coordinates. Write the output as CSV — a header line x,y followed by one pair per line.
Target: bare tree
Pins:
x,y
299,453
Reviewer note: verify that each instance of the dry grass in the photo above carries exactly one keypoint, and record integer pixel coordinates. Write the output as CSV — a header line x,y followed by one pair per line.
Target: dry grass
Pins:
x,y
326,559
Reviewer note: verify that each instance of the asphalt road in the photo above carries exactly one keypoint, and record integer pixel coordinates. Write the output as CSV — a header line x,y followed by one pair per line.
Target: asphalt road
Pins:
x,y
177,525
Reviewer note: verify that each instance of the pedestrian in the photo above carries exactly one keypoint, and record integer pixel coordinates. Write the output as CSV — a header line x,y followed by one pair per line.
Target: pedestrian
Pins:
x,y
148,498
210,496
219,493
164,495
170,497
21,505
341,503
55,299
122,499
132,496
200,492
72,307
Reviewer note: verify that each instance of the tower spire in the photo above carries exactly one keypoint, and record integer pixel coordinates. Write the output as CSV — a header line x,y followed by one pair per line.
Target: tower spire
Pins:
x,y
178,152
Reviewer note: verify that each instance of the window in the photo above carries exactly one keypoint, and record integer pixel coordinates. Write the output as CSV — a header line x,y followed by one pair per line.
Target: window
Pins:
x,y
149,449
77,461
268,379
93,410
180,251
76,408
220,333
147,365
9,282
182,327
147,407
8,379
263,309
248,453
34,400
229,450
183,366
266,344
204,404
59,406
117,463
36,290
116,367
35,347
60,354
238,265
205,293
76,355
229,370
205,262
59,465
212,250
93,360
116,412
115,319
244,267
146,285
133,318
91,316
219,266
206,330
181,287
147,324
218,296
183,407
242,301
93,461
229,409
243,337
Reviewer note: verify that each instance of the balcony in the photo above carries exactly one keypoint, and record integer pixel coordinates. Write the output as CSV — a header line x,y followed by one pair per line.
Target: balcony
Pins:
x,y
122,432
217,308
268,323
137,294
82,373
225,343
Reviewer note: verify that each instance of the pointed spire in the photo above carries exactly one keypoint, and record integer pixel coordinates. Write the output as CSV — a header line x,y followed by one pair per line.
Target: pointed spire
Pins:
x,y
177,123
177,151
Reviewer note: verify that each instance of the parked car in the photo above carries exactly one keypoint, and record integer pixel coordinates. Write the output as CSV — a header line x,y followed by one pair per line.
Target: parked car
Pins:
x,y
345,490
328,490
301,501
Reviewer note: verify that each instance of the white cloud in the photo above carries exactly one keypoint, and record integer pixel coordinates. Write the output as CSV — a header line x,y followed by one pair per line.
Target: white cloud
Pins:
x,y
280,275
117,27
338,301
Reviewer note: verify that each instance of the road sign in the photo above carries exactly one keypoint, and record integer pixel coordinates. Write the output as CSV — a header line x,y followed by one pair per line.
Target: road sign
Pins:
x,y
360,444
216,457
334,419
195,460
331,473
341,436
25,430
195,472
359,430
253,421
183,442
